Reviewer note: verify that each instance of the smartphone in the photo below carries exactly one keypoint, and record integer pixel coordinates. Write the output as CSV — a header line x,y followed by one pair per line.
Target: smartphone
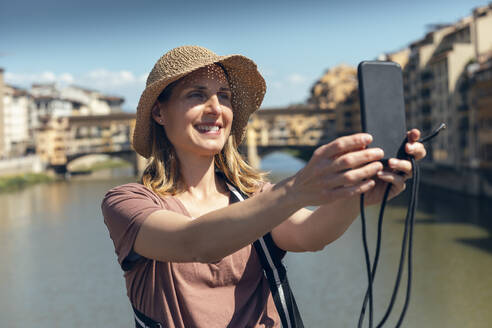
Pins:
x,y
382,106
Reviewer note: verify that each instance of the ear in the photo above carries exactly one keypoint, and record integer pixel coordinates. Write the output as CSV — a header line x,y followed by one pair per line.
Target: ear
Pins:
x,y
157,113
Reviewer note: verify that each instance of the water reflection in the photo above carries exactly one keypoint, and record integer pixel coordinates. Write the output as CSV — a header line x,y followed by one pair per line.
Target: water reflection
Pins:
x,y
441,207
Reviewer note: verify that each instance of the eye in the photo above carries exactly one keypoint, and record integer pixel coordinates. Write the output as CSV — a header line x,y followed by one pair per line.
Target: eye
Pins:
x,y
224,96
196,94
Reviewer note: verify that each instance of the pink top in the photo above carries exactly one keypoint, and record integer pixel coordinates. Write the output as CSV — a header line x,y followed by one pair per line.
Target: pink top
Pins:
x,y
230,293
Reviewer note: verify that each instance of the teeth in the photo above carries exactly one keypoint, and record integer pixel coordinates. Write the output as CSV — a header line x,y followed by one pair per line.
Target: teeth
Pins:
x,y
208,128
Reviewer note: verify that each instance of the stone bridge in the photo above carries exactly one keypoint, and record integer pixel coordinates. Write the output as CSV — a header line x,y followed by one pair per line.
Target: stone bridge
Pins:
x,y
298,131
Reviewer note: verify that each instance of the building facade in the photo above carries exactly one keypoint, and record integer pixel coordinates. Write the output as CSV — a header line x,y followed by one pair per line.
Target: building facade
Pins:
x,y
436,86
17,104
2,142
34,120
480,107
52,139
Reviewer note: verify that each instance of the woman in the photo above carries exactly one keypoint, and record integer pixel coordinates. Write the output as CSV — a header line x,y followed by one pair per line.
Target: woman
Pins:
x,y
186,250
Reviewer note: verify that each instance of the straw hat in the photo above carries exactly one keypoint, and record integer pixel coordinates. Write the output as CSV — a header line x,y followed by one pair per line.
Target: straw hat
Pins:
x,y
246,84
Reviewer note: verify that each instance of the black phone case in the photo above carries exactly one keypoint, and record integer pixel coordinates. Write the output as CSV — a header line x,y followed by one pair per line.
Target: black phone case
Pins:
x,y
382,106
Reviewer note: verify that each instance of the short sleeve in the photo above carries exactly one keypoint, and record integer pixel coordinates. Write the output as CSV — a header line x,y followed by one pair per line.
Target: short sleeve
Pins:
x,y
124,209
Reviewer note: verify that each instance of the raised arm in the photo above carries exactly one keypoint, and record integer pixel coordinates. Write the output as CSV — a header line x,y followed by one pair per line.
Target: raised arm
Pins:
x,y
328,177
311,230
169,236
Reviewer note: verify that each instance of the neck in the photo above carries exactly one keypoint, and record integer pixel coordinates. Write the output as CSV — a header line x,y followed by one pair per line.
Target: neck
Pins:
x,y
199,178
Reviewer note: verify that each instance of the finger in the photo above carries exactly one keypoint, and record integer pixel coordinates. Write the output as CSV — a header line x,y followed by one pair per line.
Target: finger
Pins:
x,y
413,135
350,191
355,176
397,182
417,150
343,145
393,178
399,165
357,159
396,190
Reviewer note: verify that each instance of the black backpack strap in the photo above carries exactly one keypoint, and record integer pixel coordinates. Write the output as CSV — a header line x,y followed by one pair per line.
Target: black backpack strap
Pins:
x,y
276,274
279,284
142,321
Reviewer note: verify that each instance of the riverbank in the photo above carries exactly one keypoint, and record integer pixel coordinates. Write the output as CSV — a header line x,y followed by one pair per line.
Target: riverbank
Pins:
x,y
472,182
14,182
19,181
111,163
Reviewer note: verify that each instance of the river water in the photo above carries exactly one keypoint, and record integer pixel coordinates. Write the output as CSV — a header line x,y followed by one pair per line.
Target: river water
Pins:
x,y
58,268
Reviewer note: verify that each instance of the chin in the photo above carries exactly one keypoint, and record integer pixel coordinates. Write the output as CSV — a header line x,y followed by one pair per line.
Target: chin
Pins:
x,y
209,151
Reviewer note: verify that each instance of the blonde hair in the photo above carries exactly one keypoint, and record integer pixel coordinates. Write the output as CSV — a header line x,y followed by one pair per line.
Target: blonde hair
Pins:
x,y
162,173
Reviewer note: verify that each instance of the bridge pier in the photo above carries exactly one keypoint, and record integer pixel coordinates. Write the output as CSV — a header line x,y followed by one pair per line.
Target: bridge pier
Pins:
x,y
252,151
139,165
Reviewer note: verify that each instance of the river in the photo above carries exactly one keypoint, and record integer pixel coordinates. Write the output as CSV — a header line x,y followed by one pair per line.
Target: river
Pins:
x,y
58,267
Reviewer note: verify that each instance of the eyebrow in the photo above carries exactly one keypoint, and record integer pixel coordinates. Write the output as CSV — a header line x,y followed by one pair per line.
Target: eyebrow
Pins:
x,y
201,87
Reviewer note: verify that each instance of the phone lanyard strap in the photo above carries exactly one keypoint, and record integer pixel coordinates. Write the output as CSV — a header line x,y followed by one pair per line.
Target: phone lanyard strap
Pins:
x,y
276,275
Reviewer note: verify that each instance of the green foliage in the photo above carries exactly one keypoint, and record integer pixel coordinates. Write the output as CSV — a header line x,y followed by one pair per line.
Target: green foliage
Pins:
x,y
16,182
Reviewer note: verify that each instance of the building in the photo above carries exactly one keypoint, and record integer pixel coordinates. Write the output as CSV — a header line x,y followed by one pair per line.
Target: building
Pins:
x,y
2,142
348,120
51,101
33,120
480,107
90,102
336,92
436,83
17,135
52,139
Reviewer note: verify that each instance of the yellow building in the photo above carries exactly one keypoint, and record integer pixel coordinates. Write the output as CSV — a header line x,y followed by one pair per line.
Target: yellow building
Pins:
x,y
348,115
52,139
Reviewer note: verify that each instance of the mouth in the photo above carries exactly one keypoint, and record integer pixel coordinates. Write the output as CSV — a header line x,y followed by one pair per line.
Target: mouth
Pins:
x,y
211,129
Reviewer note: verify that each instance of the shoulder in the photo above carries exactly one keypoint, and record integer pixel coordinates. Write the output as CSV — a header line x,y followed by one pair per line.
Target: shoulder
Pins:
x,y
130,191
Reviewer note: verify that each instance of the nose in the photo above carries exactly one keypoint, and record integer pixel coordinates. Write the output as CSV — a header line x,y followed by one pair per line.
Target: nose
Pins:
x,y
213,105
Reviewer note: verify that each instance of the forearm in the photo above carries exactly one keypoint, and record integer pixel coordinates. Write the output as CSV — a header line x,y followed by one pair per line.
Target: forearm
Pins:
x,y
328,222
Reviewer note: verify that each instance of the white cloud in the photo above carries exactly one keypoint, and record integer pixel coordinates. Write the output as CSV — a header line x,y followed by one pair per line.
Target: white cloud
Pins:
x,y
295,78
291,80
105,79
290,89
48,77
67,78
25,80
122,83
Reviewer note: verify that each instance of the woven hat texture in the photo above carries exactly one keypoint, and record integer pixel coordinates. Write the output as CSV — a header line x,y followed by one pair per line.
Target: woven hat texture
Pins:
x,y
246,83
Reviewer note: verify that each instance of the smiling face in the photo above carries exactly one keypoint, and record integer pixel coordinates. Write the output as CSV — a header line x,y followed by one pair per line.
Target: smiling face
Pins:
x,y
197,116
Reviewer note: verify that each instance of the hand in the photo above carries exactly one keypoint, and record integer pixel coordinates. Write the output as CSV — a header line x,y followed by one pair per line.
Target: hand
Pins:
x,y
396,167
338,170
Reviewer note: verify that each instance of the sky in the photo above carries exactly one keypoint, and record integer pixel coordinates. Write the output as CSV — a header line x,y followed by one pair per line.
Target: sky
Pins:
x,y
111,46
